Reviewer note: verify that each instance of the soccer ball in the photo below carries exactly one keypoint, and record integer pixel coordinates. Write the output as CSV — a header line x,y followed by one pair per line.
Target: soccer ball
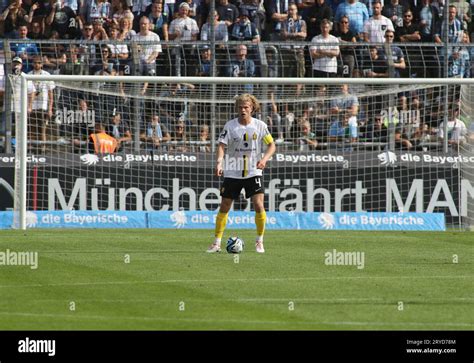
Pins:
x,y
235,245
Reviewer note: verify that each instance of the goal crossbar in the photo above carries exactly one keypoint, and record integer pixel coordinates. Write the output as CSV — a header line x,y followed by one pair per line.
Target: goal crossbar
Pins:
x,y
244,80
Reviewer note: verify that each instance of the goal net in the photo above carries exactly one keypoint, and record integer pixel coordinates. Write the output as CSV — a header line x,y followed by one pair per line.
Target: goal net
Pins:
x,y
147,144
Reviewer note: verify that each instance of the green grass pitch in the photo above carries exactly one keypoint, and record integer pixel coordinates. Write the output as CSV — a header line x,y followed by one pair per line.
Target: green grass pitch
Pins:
x,y
164,280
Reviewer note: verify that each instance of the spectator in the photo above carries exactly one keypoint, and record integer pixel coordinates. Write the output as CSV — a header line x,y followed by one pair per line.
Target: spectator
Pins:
x,y
227,12
377,25
394,11
277,13
256,16
346,36
325,56
422,136
90,10
106,63
345,102
409,32
205,66
220,29
455,28
125,26
293,30
344,129
244,29
319,111
316,13
159,20
179,137
169,8
149,49
375,66
205,144
17,69
25,50
120,130
36,30
193,5
121,11
139,9
307,139
183,27
155,134
401,139
241,66
456,129
12,17
99,32
118,52
357,14
429,21
397,62
42,106
64,20
71,63
87,51
40,10
81,126
100,142
73,4
274,122
459,60
376,132
202,12
463,12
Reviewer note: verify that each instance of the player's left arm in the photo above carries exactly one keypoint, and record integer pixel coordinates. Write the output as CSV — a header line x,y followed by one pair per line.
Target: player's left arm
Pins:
x,y
271,148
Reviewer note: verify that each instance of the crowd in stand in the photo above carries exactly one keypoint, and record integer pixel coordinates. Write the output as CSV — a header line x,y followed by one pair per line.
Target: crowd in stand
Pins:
x,y
349,38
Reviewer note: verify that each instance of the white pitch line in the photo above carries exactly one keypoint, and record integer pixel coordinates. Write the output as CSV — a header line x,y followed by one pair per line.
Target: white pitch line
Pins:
x,y
240,321
226,281
270,300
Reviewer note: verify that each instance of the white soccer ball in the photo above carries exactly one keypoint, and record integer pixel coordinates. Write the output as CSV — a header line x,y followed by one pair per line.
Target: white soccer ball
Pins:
x,y
235,245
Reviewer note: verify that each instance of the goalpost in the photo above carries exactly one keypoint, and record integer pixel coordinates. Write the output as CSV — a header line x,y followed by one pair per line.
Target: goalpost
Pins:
x,y
348,167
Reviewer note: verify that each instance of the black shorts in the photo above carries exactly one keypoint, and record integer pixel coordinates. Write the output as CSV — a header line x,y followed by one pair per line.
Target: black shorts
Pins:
x,y
231,187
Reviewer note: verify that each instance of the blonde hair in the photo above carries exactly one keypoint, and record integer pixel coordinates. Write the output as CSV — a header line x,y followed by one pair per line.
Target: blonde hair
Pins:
x,y
246,97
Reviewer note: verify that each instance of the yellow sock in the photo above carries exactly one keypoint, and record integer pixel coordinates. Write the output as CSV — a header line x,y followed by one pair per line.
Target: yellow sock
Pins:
x,y
260,219
221,221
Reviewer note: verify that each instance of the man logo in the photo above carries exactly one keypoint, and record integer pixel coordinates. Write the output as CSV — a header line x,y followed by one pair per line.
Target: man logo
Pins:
x,y
387,158
326,220
31,219
90,159
179,219
254,136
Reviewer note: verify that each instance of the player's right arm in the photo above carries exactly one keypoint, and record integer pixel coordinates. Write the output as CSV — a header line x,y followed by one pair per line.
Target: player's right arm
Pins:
x,y
220,159
224,138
